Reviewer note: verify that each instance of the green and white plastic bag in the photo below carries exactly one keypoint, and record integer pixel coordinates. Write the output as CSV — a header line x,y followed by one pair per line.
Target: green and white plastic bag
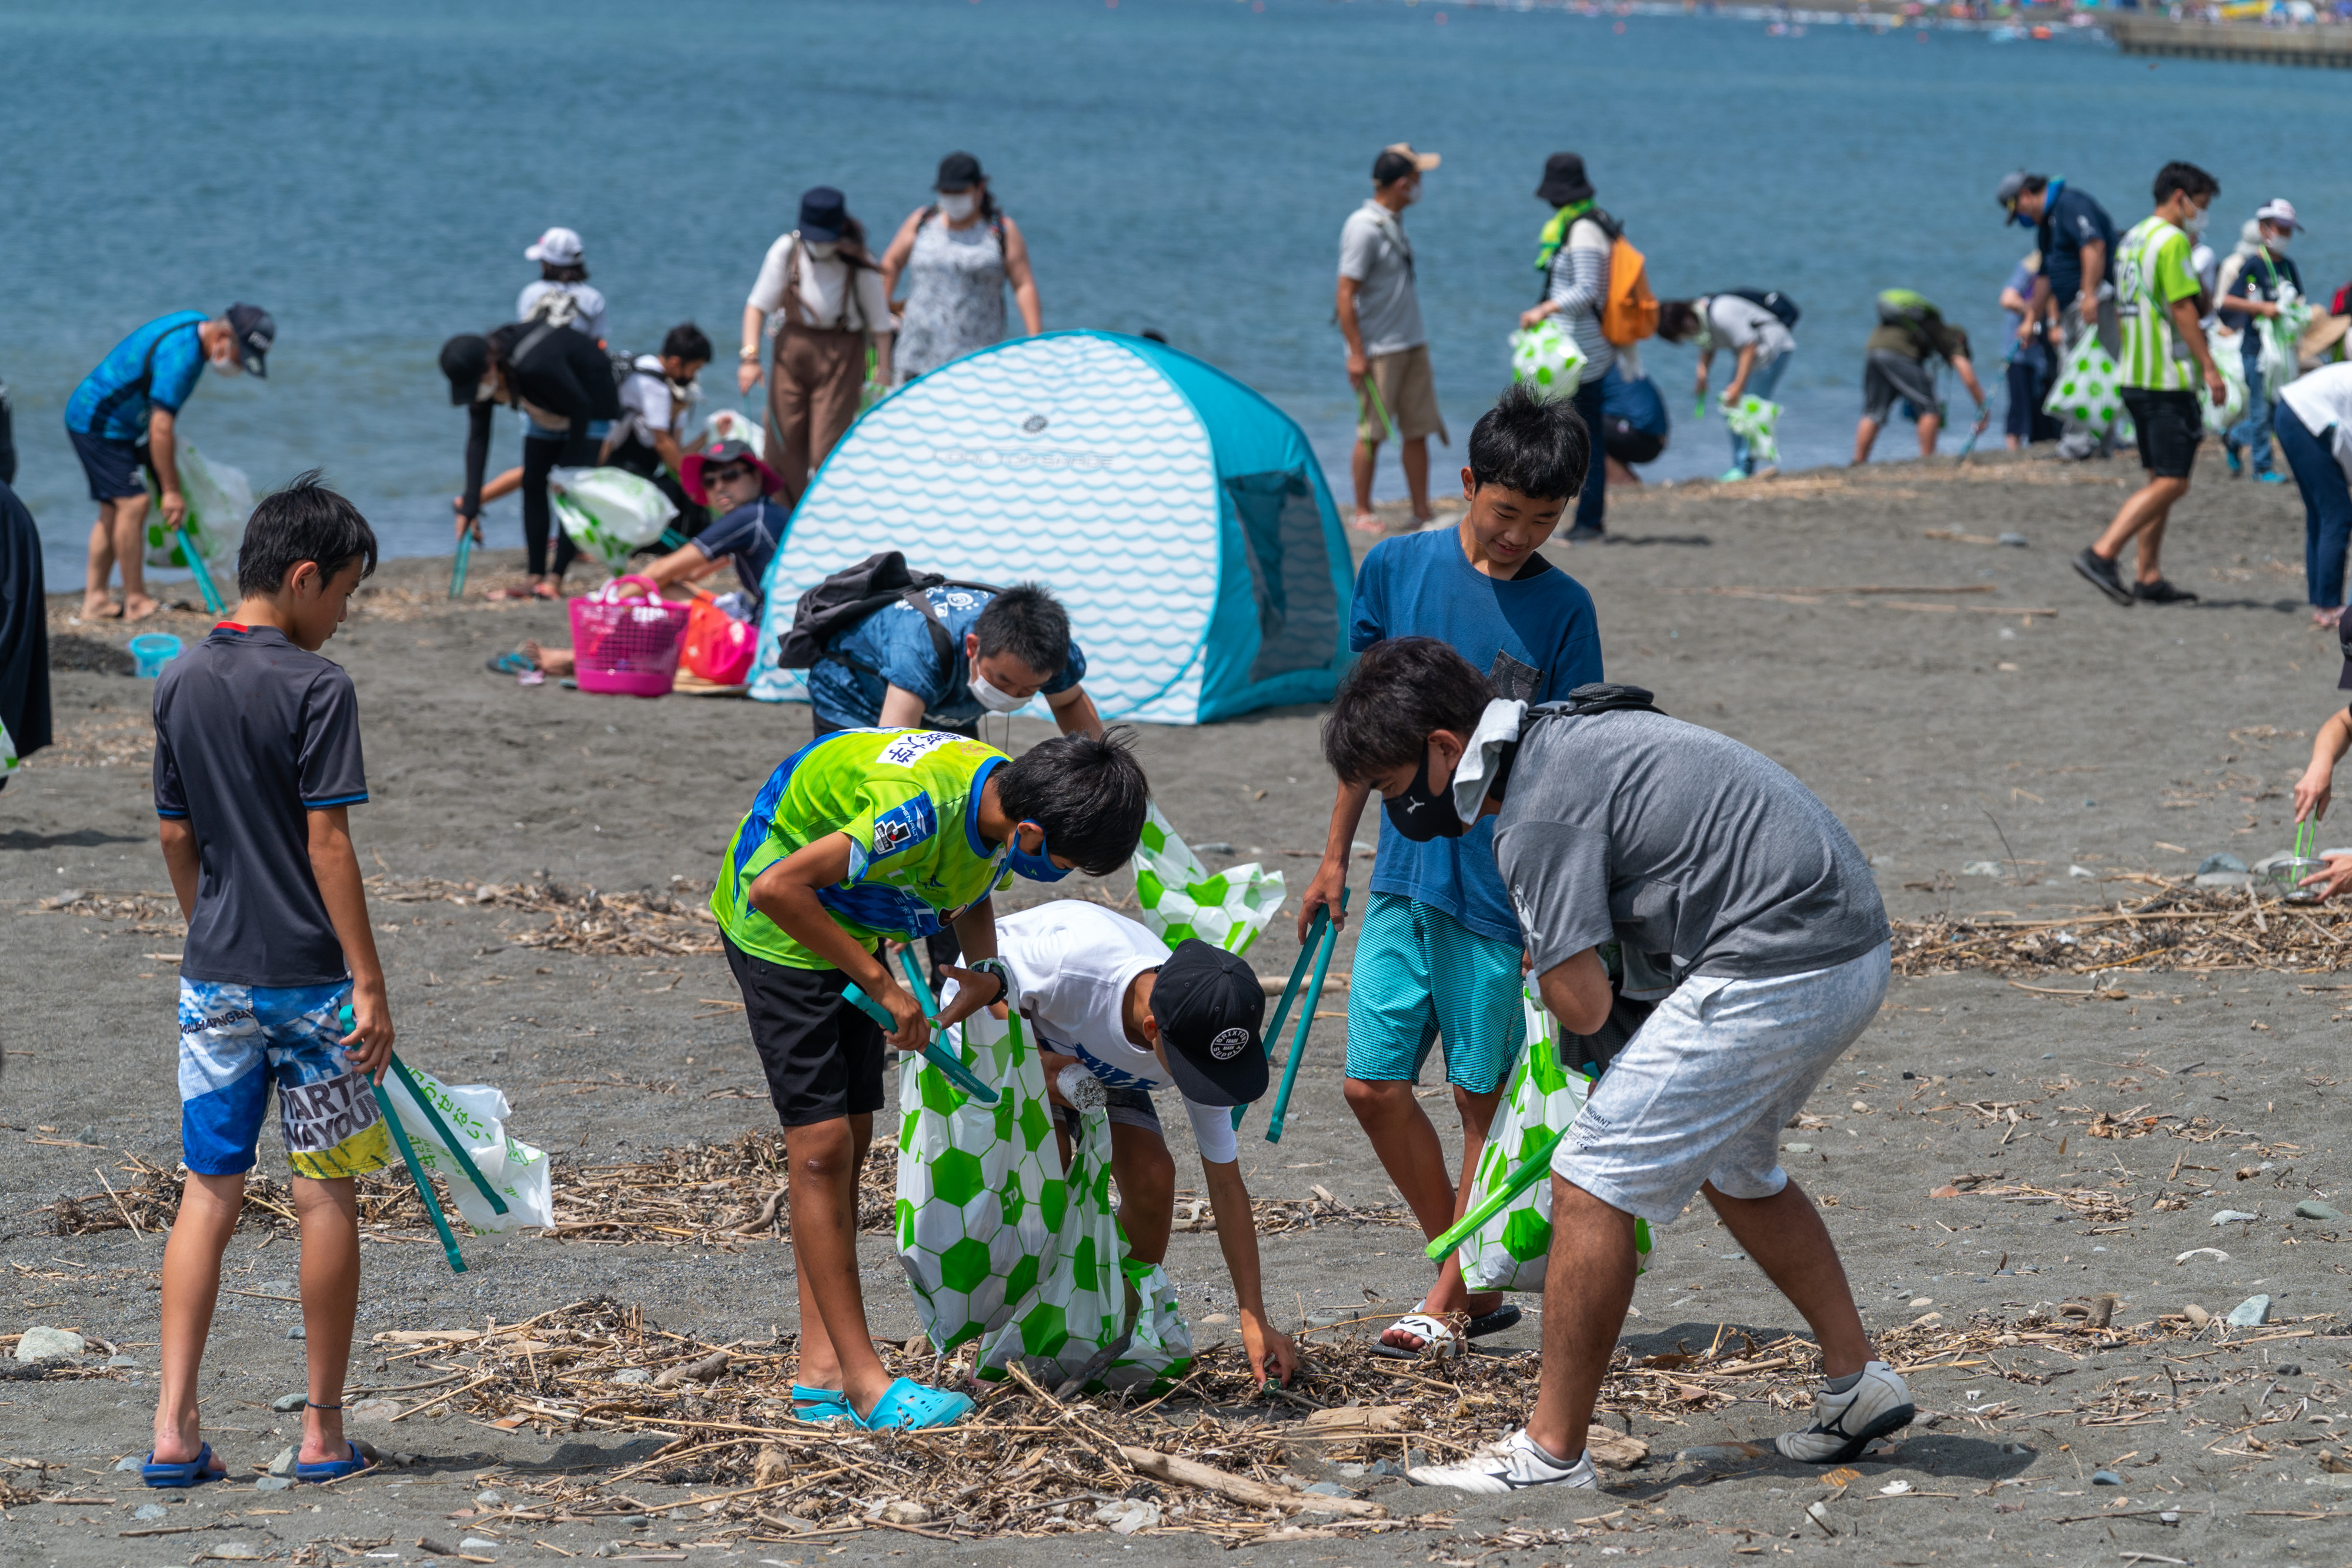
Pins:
x,y
2279,334
608,512
219,499
1545,357
1511,1250
1177,898
9,761
1754,420
2087,390
979,1186
1096,1315
2219,417
477,1114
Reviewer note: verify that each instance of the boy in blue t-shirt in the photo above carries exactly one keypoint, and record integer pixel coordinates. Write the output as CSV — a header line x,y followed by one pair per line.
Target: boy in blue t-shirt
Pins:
x,y
257,765
1439,954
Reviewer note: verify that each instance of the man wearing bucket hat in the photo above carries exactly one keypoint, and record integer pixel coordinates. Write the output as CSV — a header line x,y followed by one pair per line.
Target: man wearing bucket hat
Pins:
x,y
124,417
1378,313
2254,301
562,289
1106,995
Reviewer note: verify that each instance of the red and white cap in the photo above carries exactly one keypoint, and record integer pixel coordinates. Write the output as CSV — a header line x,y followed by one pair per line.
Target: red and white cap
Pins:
x,y
2279,212
562,247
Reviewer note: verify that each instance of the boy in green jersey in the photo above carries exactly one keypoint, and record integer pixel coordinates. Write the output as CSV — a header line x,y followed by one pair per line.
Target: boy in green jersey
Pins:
x,y
860,835
2165,359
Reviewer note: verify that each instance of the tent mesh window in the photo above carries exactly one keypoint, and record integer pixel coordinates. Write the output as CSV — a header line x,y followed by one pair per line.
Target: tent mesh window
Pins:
x,y
1290,571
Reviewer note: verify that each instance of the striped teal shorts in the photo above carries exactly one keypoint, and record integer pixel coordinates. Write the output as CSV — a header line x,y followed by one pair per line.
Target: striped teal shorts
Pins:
x,y
1419,974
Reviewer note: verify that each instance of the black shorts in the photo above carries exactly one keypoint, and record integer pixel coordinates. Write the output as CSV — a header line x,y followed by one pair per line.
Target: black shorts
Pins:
x,y
1887,376
822,1057
112,467
2168,425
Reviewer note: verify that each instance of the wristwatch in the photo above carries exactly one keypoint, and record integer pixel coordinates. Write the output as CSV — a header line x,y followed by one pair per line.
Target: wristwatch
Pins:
x,y
1003,973
748,356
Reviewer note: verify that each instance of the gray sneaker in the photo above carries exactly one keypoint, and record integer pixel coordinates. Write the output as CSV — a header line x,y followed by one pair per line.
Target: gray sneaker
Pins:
x,y
1509,1465
1844,1424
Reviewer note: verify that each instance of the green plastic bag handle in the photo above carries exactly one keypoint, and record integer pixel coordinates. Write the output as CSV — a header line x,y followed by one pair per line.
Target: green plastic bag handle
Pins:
x,y
448,1139
457,567
416,1170
1276,1122
936,1053
1522,1177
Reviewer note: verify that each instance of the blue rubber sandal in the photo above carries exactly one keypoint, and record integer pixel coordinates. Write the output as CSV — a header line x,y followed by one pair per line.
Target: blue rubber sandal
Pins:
x,y
910,1406
333,1469
824,1406
179,1473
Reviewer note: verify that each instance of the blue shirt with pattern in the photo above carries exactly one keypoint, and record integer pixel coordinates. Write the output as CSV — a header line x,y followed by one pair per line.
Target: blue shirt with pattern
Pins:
x,y
158,364
894,647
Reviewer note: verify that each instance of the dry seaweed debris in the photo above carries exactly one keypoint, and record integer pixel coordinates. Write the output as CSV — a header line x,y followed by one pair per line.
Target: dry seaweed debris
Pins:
x,y
2178,926
627,924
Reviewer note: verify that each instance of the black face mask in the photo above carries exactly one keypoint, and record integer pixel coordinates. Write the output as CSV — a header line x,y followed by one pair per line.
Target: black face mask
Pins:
x,y
1422,813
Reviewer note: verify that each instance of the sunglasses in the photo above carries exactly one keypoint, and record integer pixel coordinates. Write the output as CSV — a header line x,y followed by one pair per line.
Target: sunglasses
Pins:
x,y
727,475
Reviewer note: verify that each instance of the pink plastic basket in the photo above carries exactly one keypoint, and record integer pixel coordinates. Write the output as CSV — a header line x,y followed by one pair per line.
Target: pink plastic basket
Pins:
x,y
626,637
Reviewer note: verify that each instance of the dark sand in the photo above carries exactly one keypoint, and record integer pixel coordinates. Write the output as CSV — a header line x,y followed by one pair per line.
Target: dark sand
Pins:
x,y
2097,738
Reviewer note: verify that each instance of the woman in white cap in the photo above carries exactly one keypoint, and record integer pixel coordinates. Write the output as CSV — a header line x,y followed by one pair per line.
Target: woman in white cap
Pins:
x,y
562,294
958,254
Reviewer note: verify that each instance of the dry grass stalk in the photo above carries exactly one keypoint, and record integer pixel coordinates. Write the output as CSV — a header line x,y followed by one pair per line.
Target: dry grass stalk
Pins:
x,y
2178,926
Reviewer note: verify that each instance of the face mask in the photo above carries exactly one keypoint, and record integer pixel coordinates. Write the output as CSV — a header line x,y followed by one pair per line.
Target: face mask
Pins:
x,y
996,701
824,249
1039,867
1421,813
2277,243
958,205
2195,224
229,364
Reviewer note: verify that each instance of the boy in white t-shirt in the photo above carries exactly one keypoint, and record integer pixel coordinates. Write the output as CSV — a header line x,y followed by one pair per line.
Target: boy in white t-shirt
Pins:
x,y
1103,992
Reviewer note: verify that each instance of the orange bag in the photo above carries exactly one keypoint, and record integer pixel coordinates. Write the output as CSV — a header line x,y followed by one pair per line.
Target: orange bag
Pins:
x,y
1630,312
719,648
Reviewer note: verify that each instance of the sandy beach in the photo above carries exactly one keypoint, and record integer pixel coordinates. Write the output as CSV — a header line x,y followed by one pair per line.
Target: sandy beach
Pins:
x,y
1957,701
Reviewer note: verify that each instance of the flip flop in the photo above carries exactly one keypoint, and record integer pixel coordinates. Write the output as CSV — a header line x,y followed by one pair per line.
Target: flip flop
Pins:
x,y
1431,1330
181,1472
514,663
910,1406
823,1407
333,1469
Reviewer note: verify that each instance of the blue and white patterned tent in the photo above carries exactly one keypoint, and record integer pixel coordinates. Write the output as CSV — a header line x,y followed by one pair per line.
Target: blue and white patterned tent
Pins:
x,y
1178,513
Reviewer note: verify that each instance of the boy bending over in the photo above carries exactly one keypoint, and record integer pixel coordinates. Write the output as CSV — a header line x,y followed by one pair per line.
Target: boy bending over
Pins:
x,y
257,768
858,836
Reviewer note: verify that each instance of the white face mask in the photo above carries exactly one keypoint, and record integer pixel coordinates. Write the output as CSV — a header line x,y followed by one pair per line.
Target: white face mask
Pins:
x,y
958,205
992,699
2277,243
823,250
2194,225
226,363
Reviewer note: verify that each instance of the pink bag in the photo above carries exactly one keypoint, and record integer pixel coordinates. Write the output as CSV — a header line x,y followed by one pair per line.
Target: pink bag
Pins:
x,y
719,648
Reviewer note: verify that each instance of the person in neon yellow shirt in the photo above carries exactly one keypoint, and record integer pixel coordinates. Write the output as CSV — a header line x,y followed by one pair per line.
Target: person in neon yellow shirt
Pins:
x,y
860,835
2165,356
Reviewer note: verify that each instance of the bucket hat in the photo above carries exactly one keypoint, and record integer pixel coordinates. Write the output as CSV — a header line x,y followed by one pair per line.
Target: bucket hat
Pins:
x,y
722,453
1564,180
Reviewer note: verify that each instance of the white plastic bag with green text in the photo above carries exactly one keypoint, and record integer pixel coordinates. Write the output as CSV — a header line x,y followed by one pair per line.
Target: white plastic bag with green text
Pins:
x,y
477,1114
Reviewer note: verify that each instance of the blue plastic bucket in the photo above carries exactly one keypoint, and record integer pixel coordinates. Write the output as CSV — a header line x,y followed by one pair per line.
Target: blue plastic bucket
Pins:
x,y
154,649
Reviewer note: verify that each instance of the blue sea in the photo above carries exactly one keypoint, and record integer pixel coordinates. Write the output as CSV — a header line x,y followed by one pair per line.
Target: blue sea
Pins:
x,y
372,175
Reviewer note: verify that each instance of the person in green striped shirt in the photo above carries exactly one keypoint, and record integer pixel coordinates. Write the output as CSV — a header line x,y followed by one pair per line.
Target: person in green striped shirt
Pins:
x,y
2164,357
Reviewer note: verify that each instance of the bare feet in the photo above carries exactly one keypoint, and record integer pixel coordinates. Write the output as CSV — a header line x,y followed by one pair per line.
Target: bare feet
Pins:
x,y
100,606
556,661
138,607
521,591
545,589
1366,522
2326,618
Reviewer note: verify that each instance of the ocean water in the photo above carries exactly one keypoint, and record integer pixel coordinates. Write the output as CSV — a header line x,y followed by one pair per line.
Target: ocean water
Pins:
x,y
373,174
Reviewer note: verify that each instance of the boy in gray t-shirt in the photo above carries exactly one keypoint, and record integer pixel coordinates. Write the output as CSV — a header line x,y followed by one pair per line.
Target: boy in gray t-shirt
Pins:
x,y
1712,866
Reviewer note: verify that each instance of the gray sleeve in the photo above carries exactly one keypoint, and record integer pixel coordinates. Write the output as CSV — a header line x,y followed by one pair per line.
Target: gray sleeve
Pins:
x,y
1559,878
1358,249
1580,280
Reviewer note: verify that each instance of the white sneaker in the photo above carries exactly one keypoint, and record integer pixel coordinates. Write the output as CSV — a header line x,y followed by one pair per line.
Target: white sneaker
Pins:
x,y
1506,1466
1844,1424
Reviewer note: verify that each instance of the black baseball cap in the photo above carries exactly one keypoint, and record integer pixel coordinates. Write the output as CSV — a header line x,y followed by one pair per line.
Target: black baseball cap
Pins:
x,y
465,359
256,329
2344,645
1210,1006
957,171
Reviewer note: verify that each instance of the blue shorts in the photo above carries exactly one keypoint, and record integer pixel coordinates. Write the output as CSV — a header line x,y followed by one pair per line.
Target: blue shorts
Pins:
x,y
1420,974
234,1040
112,467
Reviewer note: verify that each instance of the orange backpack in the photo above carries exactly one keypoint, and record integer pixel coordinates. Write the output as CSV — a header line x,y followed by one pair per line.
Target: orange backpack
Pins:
x,y
1631,311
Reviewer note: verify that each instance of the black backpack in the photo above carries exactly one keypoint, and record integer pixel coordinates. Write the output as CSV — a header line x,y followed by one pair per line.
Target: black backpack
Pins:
x,y
855,593
1771,300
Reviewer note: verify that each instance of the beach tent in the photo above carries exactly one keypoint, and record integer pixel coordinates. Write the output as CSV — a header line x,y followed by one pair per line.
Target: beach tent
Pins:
x,y
1178,515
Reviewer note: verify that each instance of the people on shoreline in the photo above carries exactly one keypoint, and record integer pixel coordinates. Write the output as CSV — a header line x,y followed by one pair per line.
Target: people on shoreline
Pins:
x,y
657,392
1439,952
1377,306
1746,325
2077,242
958,255
2253,303
562,293
2160,302
1910,332
825,301
1573,253
124,417
2032,359
2315,431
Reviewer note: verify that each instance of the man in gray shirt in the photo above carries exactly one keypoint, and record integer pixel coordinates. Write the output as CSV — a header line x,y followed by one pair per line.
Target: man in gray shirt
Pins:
x,y
1380,314
1712,869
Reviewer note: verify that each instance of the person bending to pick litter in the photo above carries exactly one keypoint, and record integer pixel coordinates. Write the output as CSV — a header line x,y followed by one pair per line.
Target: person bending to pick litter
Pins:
x,y
2314,790
1106,994
868,834
1909,333
1725,872
257,768
2165,356
1000,651
1440,949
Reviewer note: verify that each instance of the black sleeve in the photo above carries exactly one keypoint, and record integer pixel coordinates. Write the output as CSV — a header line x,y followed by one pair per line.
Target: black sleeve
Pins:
x,y
477,455
590,369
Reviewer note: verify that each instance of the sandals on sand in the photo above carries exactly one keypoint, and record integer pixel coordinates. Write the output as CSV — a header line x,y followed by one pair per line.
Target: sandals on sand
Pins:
x,y
515,662
823,1407
1438,1341
333,1469
181,1473
910,1406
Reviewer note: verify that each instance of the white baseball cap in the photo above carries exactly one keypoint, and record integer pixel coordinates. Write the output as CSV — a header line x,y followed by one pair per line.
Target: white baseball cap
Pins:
x,y
562,247
2279,212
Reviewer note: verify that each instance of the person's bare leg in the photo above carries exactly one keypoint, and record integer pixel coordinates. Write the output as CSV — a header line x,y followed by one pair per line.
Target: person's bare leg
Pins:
x,y
1588,1285
1406,1141
1618,473
190,1280
558,661
1413,456
97,603
1361,463
330,1217
1930,427
1865,436
2151,503
1147,1189
1785,1236
835,1350
2151,545
130,557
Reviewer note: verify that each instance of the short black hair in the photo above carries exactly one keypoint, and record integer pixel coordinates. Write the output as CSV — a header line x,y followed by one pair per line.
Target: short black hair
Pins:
x,y
1537,446
2034,185
686,341
1089,794
1401,690
1392,166
1029,623
304,521
1678,320
2184,177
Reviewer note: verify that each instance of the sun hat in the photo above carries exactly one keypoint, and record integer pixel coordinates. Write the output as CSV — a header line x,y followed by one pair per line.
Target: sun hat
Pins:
x,y
557,248
2279,212
1398,159
255,330
719,453
2324,333
957,171
825,213
1564,180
